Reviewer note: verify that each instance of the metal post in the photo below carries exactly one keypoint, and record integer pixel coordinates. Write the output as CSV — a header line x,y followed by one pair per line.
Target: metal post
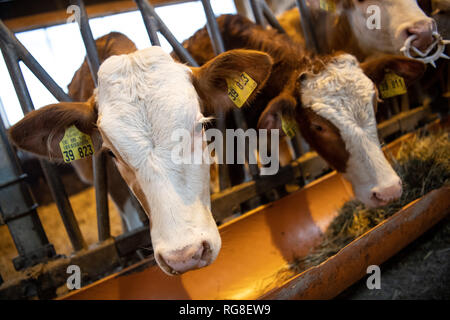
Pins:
x,y
20,52
150,24
213,28
88,39
148,10
307,27
54,182
218,47
18,210
99,159
270,17
258,12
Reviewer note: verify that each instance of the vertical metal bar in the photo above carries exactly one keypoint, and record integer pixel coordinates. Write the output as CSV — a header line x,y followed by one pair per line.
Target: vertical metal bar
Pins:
x,y
270,17
213,28
18,210
148,10
218,47
54,181
63,204
150,24
307,27
258,12
3,115
99,159
88,39
243,8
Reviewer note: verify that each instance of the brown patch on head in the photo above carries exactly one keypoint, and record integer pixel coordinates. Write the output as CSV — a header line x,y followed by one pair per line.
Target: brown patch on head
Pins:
x,y
324,137
82,86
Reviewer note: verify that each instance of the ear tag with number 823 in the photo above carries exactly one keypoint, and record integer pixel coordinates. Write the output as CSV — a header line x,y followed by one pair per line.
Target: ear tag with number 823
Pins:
x,y
75,145
240,89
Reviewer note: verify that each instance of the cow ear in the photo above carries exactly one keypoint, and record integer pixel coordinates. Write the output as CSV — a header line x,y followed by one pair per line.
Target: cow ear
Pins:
x,y
210,80
282,106
40,131
408,69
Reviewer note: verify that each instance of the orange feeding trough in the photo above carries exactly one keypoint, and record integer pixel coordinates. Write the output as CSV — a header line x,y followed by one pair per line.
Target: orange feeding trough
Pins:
x,y
258,246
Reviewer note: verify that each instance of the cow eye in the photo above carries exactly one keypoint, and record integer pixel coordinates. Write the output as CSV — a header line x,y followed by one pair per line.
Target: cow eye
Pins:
x,y
317,127
110,153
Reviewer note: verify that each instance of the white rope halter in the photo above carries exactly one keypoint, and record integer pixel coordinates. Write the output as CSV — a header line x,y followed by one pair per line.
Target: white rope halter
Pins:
x,y
424,56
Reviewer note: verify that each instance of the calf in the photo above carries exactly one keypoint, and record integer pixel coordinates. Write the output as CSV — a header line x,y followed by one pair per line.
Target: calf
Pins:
x,y
142,97
344,27
332,97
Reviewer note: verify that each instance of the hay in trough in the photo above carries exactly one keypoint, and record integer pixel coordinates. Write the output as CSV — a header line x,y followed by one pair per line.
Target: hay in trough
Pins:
x,y
423,164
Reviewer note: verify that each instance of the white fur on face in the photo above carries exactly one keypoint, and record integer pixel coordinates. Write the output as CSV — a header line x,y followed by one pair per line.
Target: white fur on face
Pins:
x,y
142,98
344,95
395,15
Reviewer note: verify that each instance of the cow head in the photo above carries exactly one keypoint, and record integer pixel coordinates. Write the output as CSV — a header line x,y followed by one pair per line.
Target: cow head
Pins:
x,y
399,19
141,99
334,104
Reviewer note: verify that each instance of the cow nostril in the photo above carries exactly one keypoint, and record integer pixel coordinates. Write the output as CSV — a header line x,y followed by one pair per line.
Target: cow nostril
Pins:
x,y
207,251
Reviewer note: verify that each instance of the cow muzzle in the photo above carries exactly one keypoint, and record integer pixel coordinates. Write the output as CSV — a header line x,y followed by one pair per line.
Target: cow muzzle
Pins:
x,y
386,193
423,33
178,261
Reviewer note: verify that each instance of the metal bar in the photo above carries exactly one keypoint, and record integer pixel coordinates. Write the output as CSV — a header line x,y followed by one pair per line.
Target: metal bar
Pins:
x,y
307,27
150,24
18,210
213,28
258,12
218,47
88,39
270,17
10,41
148,10
99,159
63,204
101,196
55,184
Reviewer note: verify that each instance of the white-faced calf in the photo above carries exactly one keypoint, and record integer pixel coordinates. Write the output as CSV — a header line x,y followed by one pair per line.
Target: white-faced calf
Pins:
x,y
142,97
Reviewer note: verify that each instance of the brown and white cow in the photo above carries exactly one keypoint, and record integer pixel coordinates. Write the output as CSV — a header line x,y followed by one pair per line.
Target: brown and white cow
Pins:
x,y
345,28
332,97
142,97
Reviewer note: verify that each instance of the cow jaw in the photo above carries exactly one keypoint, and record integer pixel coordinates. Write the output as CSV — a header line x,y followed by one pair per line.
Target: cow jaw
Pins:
x,y
142,98
343,95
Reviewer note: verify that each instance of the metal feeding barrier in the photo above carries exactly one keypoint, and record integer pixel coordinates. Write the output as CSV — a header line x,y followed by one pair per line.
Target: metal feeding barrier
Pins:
x,y
18,207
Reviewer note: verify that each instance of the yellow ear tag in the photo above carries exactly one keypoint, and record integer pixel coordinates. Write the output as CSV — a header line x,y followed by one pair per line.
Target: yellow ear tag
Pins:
x,y
289,126
240,89
392,85
328,5
75,145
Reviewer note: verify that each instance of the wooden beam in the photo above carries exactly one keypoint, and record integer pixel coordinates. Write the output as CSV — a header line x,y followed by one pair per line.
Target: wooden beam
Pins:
x,y
56,17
